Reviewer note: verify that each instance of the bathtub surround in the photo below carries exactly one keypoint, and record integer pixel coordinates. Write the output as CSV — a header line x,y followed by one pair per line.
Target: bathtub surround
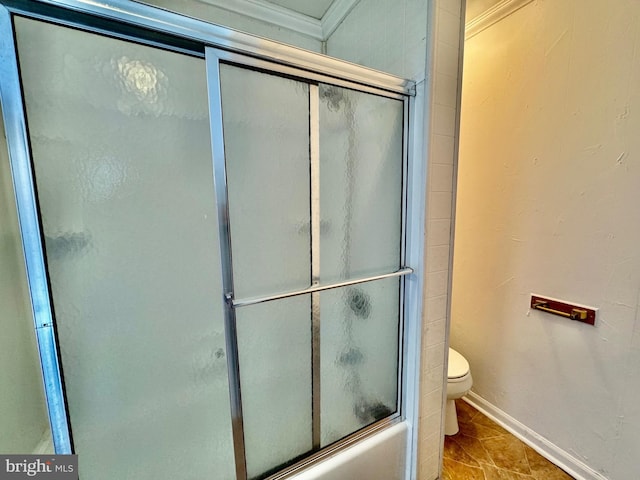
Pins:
x,y
380,456
548,204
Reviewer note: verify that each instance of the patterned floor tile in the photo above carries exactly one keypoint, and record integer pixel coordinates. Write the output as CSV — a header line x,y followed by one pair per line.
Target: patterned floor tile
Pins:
x,y
472,447
452,470
465,411
495,473
481,419
454,451
542,469
507,452
483,450
479,431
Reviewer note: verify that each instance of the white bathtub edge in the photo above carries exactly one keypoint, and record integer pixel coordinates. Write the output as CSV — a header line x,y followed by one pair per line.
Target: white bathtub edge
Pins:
x,y
379,457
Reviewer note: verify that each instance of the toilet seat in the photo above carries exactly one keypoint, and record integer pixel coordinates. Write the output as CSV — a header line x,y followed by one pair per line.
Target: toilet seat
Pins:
x,y
461,379
458,367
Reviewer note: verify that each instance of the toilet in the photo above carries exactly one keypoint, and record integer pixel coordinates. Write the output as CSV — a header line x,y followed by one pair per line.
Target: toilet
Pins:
x,y
459,382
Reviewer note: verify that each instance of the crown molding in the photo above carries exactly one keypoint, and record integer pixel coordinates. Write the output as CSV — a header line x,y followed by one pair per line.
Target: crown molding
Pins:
x,y
492,16
274,14
337,12
283,17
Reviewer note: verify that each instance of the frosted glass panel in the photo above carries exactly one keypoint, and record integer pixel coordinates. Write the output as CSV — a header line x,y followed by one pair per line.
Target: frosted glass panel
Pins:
x,y
121,149
360,183
266,134
275,376
359,356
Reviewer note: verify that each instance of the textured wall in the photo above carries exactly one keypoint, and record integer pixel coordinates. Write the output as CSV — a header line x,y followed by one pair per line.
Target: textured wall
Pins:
x,y
387,36
548,203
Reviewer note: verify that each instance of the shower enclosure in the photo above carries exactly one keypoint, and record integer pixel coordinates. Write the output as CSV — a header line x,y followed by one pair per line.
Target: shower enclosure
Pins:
x,y
214,230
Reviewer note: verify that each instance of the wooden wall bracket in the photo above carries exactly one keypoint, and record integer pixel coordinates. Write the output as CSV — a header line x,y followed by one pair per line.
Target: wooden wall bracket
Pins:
x,y
575,312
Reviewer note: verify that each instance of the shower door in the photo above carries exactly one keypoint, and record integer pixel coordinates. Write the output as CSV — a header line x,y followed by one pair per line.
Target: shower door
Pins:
x,y
215,246
119,134
313,174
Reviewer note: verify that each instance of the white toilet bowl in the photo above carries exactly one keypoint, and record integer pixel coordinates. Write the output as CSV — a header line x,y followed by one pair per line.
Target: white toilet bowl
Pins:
x,y
459,382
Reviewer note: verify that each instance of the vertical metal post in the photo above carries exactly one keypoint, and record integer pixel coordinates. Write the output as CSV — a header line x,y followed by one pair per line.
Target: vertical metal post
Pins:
x,y
19,155
403,326
220,185
415,186
314,147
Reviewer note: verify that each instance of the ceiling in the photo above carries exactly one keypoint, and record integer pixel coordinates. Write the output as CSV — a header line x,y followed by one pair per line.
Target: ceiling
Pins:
x,y
317,8
311,8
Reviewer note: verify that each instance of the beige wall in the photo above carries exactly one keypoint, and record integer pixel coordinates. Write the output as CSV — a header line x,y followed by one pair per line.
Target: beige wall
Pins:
x,y
548,203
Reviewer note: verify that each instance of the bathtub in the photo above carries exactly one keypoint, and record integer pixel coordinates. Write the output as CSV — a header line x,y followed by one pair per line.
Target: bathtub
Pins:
x,y
380,457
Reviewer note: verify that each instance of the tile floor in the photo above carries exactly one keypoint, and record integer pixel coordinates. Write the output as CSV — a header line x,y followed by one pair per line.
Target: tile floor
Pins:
x,y
483,450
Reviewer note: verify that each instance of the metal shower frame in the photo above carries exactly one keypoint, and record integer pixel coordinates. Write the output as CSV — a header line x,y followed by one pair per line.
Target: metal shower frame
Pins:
x,y
155,27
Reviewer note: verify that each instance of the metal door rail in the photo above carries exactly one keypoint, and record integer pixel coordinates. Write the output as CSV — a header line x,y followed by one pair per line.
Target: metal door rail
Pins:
x,y
318,288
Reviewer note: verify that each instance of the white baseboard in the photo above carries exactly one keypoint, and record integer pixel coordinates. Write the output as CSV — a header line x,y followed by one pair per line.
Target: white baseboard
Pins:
x,y
553,453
